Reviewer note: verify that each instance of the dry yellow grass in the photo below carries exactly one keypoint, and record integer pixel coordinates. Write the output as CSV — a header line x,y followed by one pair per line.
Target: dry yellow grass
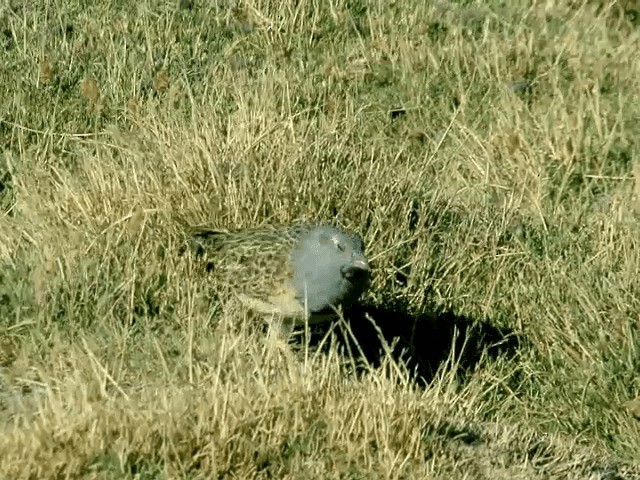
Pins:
x,y
487,153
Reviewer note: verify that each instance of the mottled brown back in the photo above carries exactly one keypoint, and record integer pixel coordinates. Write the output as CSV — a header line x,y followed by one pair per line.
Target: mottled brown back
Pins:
x,y
254,262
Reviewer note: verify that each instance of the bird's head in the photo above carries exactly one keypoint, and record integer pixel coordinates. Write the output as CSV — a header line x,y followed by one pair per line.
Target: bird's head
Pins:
x,y
329,268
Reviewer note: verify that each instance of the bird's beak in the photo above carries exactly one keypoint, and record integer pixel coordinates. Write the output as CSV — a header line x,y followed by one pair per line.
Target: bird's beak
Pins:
x,y
361,264
358,268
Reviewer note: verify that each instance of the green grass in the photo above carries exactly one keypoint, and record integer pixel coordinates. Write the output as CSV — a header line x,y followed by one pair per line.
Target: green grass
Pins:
x,y
487,152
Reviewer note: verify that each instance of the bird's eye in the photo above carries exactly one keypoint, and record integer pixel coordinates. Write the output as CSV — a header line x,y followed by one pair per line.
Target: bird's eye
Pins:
x,y
340,245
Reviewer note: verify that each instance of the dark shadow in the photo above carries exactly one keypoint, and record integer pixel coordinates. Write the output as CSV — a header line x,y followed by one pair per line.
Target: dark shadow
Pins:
x,y
424,341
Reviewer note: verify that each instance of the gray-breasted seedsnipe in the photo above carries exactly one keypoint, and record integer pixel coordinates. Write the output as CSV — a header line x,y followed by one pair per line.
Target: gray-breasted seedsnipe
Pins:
x,y
296,273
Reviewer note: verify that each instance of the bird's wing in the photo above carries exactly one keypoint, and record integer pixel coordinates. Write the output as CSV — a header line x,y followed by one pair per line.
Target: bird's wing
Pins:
x,y
252,262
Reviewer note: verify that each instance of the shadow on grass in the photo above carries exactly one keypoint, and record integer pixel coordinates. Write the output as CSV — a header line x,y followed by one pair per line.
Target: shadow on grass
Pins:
x,y
424,341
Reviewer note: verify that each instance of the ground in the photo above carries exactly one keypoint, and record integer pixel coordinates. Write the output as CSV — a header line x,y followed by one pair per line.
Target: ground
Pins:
x,y
487,152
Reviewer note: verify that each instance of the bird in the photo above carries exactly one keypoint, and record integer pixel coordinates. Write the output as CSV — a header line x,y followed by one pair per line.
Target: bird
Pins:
x,y
299,273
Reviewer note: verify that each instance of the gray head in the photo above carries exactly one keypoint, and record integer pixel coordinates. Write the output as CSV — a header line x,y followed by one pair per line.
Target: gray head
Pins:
x,y
329,268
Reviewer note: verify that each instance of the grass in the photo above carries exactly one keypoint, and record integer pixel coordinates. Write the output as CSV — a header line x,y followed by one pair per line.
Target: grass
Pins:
x,y
486,151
